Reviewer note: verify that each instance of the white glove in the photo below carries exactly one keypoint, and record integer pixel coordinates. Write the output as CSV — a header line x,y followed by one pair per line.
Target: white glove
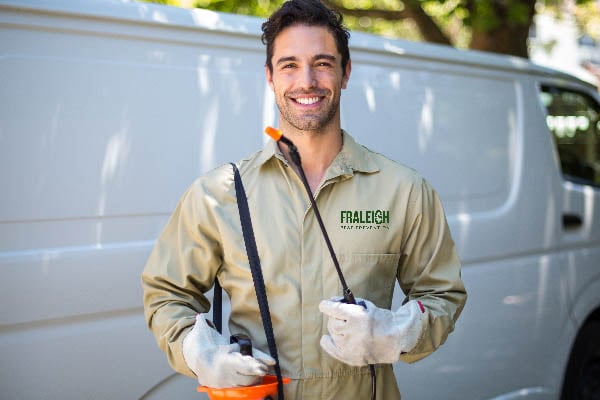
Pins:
x,y
359,336
219,364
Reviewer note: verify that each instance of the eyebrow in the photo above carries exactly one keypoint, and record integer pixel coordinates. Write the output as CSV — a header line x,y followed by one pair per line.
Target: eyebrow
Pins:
x,y
315,58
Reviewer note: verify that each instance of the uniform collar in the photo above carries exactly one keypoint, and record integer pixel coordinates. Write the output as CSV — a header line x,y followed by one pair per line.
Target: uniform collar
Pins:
x,y
353,157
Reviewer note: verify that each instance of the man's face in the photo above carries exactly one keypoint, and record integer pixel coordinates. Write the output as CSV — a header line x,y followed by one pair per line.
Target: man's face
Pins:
x,y
307,77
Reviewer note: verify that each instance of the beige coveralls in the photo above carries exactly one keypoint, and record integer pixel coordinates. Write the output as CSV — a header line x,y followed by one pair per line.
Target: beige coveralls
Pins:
x,y
385,223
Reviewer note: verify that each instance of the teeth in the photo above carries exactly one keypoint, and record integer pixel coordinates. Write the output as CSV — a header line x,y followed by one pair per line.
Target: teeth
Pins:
x,y
310,100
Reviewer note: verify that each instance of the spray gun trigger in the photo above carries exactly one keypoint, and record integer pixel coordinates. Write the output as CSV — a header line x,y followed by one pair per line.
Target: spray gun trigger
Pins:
x,y
244,342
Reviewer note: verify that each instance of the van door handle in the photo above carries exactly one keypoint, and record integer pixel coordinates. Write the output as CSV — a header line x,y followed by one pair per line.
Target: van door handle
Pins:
x,y
571,221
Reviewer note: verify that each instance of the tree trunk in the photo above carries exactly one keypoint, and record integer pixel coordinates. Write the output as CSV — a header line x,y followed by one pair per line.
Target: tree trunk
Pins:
x,y
506,38
503,40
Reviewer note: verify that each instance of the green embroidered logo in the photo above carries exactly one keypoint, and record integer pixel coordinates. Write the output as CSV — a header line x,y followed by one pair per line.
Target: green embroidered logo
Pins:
x,y
364,219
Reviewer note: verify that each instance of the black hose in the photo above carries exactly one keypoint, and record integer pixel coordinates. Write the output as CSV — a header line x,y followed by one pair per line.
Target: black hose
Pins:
x,y
348,296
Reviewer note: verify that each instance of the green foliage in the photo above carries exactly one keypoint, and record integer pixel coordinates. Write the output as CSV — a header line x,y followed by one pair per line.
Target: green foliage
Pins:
x,y
586,13
483,17
517,14
261,8
175,3
588,18
458,19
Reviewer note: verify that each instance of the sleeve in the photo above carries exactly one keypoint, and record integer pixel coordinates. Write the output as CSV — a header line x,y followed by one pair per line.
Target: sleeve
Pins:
x,y
430,270
180,269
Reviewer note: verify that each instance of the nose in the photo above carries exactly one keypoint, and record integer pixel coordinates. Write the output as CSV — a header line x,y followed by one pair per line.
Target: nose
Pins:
x,y
308,78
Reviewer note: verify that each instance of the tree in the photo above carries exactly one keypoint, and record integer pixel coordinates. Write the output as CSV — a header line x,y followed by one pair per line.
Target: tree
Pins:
x,y
499,26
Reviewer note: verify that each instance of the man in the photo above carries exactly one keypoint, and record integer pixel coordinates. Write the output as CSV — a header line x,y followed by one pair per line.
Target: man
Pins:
x,y
385,223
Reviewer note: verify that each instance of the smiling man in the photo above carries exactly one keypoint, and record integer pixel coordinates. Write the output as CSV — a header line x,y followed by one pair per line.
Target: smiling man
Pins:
x,y
385,221
307,73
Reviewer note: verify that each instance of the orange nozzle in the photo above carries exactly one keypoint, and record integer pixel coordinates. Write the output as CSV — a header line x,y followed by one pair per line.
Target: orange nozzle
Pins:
x,y
275,134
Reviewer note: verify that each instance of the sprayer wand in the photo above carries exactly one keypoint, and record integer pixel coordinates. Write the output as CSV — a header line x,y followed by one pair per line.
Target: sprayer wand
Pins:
x,y
277,135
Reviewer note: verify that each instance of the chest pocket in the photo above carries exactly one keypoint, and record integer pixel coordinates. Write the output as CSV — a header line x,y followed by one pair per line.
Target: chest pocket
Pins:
x,y
371,276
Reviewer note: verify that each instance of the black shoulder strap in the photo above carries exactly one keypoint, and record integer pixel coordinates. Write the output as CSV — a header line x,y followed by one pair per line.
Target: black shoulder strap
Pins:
x,y
257,277
217,306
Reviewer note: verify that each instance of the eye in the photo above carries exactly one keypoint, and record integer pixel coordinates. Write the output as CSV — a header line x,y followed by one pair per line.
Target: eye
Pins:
x,y
325,64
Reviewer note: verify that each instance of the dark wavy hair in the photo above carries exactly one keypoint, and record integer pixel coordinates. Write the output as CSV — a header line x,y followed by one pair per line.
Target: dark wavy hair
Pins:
x,y
310,13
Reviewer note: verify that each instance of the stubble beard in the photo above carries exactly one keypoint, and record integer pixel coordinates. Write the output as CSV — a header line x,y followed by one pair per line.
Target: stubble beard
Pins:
x,y
308,122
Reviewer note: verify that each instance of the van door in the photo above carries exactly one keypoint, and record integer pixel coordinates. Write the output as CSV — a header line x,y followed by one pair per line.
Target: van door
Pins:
x,y
573,118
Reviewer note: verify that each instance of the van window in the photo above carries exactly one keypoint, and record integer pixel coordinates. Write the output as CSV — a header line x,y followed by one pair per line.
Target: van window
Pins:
x,y
574,120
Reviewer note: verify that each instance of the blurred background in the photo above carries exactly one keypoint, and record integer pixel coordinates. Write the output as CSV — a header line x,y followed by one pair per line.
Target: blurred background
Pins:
x,y
562,34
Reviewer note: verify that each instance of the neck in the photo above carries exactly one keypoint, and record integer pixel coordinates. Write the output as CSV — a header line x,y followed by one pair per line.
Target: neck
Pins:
x,y
317,150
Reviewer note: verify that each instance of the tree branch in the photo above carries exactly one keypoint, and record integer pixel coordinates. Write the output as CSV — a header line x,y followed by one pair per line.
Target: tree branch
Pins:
x,y
428,28
389,15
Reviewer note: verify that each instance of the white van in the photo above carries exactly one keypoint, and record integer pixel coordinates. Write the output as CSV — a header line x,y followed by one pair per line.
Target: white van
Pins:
x,y
110,109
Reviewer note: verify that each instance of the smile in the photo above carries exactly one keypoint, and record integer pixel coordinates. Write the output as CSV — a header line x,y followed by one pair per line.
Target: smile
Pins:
x,y
308,100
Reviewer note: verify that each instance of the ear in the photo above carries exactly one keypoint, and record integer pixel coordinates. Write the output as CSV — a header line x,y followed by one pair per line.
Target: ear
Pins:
x,y
269,76
346,76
